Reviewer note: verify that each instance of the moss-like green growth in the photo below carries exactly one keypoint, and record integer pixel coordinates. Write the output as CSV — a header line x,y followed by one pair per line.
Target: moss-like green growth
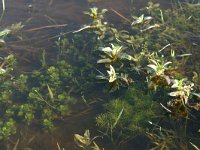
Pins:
x,y
50,92
138,108
10,89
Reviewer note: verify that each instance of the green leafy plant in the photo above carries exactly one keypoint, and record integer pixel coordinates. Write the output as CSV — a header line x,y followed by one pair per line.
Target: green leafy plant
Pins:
x,y
95,14
159,78
179,105
152,50
55,81
85,142
115,80
10,87
112,54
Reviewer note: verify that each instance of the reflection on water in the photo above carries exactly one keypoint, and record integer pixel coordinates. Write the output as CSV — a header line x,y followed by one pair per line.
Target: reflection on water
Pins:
x,y
62,11
41,13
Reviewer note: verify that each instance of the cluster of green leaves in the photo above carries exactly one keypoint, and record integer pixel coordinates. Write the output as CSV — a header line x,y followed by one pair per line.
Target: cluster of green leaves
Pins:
x,y
128,116
42,96
151,49
45,99
155,46
78,49
10,87
85,142
49,94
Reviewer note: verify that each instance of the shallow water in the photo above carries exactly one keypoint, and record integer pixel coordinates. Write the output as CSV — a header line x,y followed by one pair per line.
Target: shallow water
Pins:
x,y
36,15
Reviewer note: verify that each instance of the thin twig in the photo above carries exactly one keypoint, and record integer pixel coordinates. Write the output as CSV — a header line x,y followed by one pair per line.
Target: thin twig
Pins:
x,y
46,27
120,15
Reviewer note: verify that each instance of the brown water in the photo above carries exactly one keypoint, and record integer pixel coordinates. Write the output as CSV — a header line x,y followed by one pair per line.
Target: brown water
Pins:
x,y
36,15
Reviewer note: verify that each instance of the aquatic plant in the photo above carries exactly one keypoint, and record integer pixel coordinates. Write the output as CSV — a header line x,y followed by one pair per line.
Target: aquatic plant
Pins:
x,y
95,14
126,117
55,81
179,104
159,78
99,24
10,87
168,139
78,50
183,90
115,80
85,142
112,54
173,135
155,52
152,49
159,71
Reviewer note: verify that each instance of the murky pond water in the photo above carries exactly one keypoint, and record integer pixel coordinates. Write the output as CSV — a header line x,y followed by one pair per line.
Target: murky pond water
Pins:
x,y
44,20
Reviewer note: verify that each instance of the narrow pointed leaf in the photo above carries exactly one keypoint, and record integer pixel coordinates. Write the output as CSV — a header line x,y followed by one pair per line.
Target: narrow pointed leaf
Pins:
x,y
126,56
118,117
154,67
50,92
104,61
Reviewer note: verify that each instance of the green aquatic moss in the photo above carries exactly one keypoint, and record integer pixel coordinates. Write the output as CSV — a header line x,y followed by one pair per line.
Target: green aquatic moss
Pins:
x,y
138,109
50,92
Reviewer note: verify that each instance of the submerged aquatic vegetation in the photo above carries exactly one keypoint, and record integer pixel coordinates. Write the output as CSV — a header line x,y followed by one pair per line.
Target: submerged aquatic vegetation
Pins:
x,y
78,50
183,90
159,78
112,54
128,116
55,81
162,65
179,104
95,14
10,87
158,68
168,139
115,79
85,142
152,51
42,101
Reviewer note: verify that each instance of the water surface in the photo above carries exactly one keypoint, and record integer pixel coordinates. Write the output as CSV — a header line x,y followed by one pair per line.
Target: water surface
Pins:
x,y
36,15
